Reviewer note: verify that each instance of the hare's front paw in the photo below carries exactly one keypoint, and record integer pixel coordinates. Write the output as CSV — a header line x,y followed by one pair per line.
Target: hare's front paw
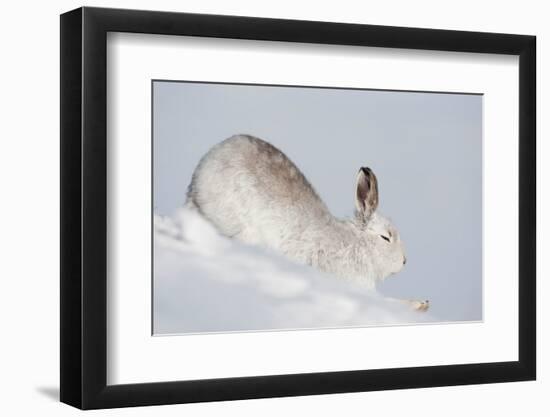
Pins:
x,y
420,305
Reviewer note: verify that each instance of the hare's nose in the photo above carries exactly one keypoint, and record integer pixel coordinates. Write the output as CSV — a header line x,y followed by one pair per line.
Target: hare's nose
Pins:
x,y
404,260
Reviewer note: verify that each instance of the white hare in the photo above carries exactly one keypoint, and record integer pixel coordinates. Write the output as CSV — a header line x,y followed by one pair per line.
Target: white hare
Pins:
x,y
249,190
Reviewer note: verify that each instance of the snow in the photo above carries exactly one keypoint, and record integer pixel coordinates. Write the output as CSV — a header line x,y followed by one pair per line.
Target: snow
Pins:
x,y
205,282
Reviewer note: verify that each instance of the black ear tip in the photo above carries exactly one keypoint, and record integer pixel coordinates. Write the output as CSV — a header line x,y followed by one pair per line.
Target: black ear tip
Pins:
x,y
366,170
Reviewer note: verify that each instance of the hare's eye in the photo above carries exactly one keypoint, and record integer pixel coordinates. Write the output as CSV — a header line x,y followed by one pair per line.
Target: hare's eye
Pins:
x,y
387,239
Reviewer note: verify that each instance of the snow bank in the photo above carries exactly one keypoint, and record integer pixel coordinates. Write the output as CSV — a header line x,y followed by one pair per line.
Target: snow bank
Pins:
x,y
205,282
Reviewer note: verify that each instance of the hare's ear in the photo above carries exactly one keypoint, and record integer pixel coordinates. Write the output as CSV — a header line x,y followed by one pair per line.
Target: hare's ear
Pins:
x,y
366,195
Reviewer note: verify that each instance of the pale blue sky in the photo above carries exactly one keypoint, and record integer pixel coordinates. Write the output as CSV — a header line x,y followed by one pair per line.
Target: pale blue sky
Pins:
x,y
425,149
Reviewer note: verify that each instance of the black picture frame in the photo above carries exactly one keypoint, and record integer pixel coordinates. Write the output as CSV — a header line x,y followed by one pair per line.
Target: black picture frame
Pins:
x,y
84,207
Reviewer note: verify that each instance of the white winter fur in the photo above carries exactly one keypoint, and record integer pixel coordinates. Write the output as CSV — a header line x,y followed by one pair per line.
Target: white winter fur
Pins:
x,y
251,191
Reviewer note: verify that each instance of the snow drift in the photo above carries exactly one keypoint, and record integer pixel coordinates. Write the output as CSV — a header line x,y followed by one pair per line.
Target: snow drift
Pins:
x,y
204,282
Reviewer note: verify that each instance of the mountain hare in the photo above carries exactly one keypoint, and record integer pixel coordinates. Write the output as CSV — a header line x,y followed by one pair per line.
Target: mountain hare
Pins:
x,y
252,192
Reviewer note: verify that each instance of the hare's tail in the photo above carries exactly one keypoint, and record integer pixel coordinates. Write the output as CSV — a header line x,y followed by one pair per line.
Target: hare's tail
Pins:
x,y
190,204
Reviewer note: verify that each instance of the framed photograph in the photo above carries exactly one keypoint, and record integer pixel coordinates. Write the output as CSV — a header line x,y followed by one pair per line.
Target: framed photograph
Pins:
x,y
257,207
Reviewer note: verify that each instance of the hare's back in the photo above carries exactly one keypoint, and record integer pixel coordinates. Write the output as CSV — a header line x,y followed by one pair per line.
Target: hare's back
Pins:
x,y
245,179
